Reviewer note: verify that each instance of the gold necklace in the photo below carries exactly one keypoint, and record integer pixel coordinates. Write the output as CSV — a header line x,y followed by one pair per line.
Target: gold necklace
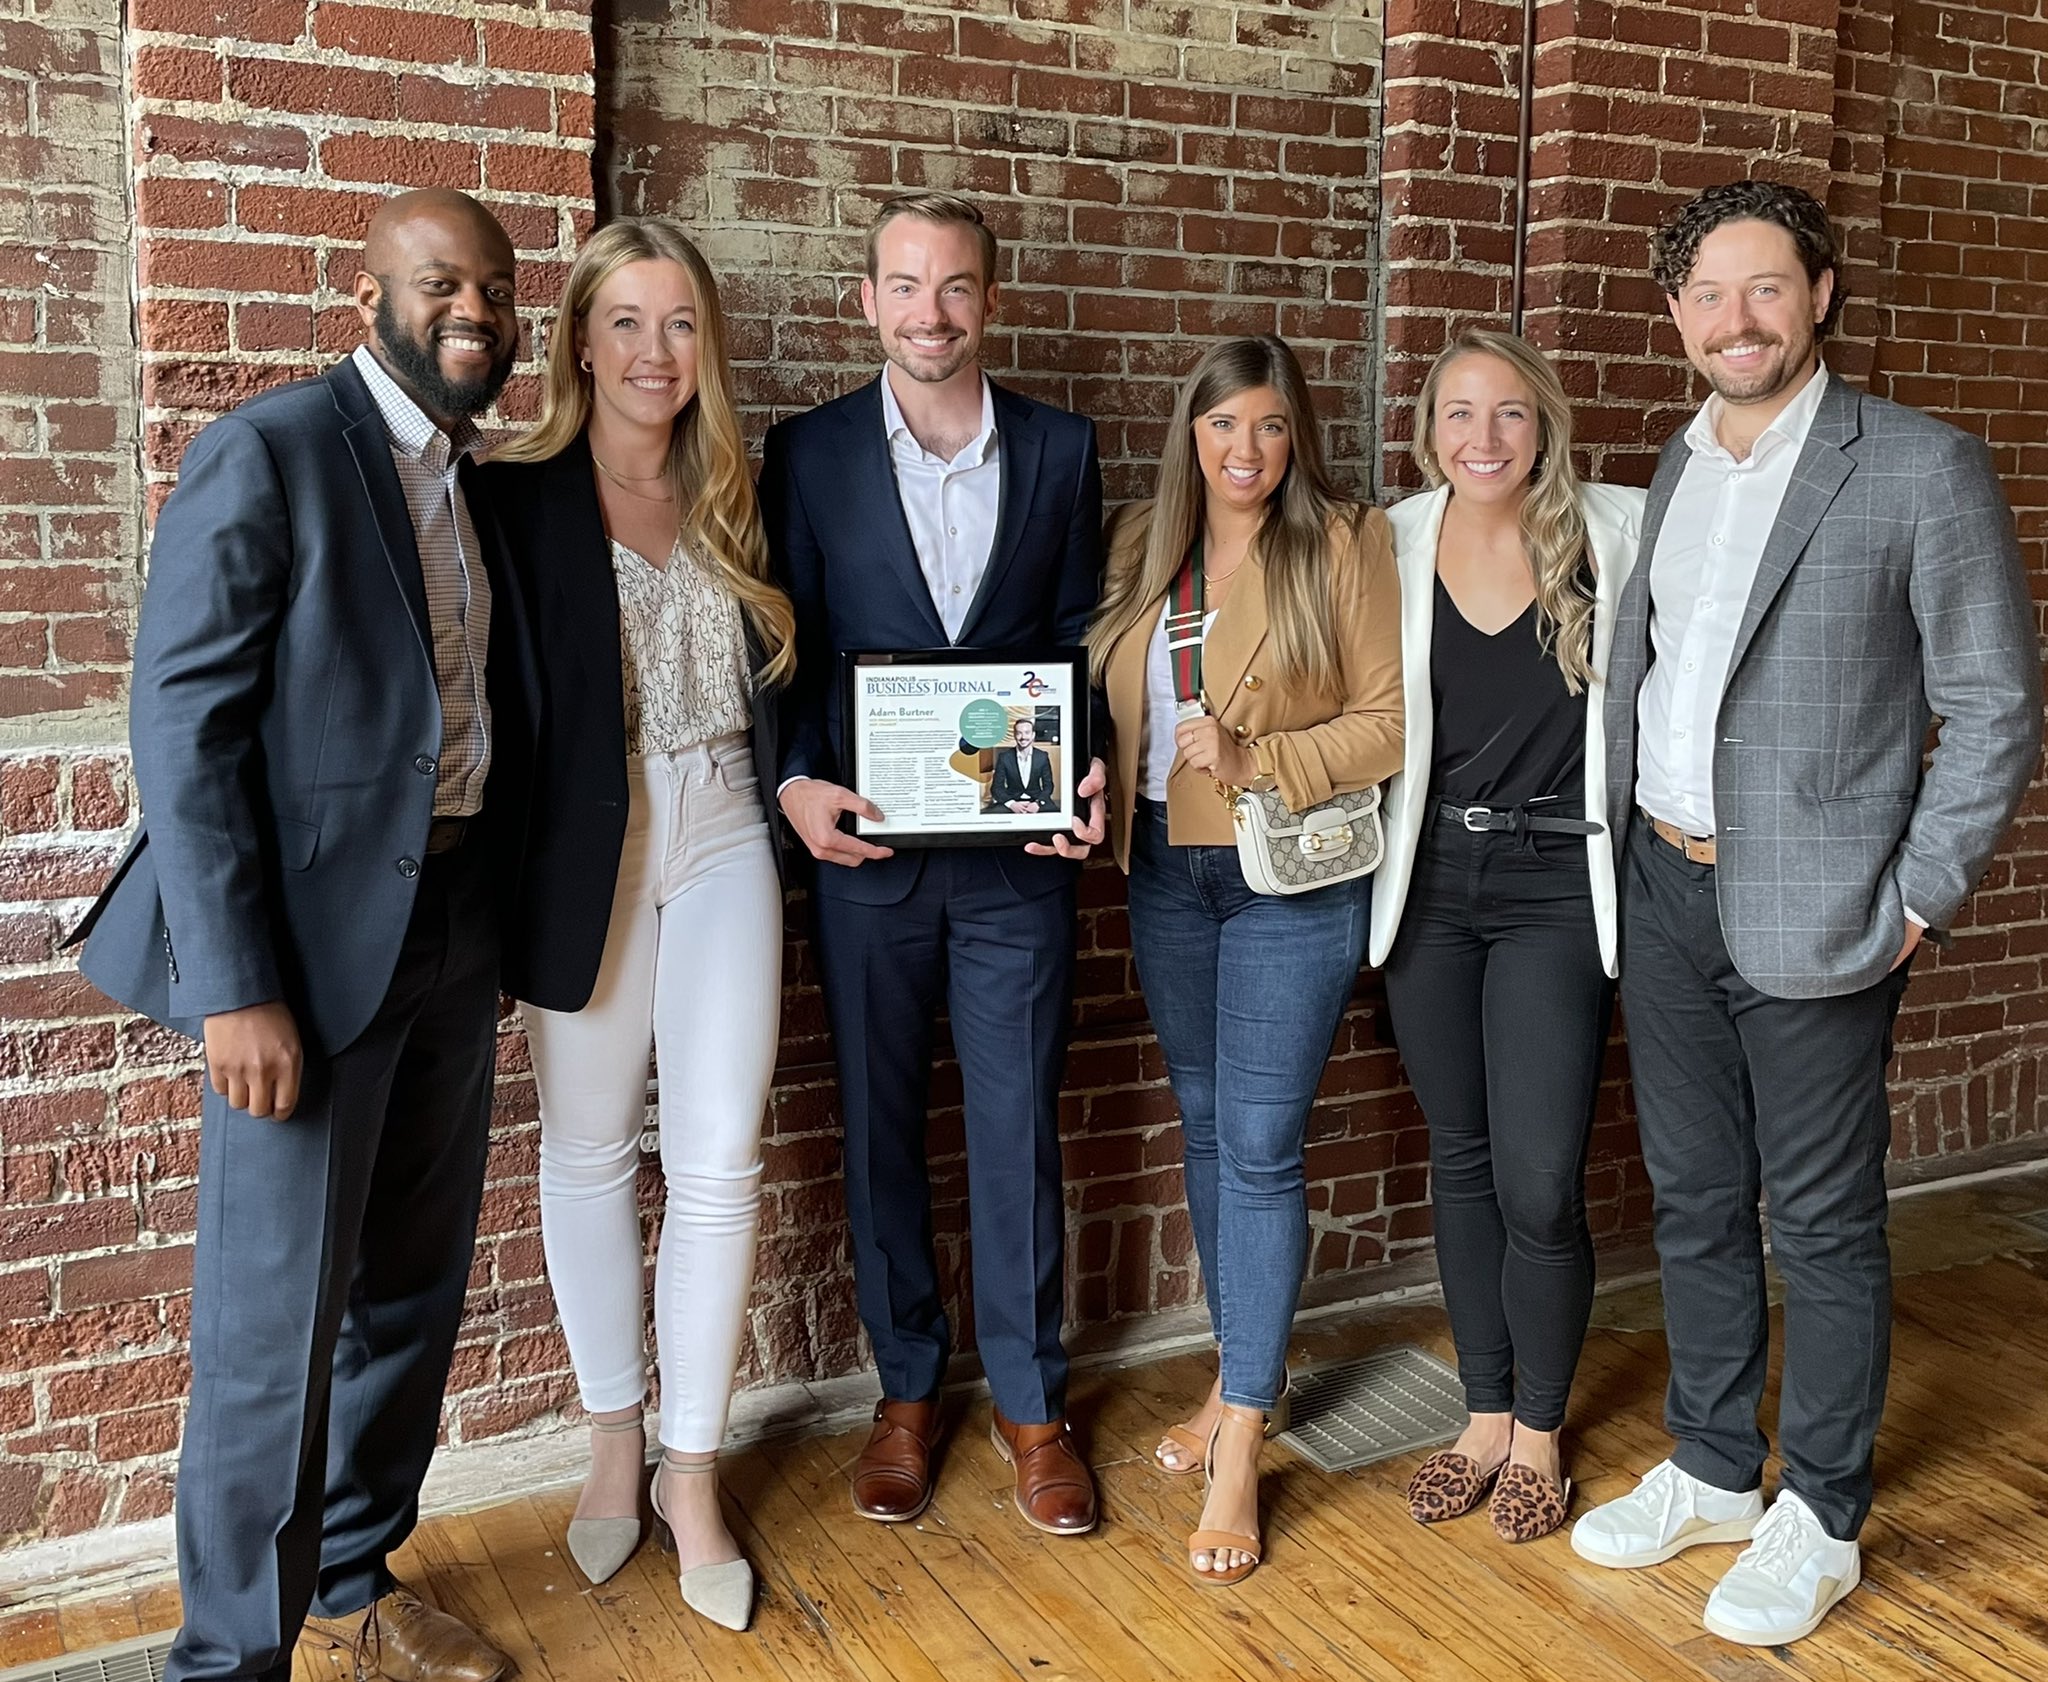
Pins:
x,y
626,484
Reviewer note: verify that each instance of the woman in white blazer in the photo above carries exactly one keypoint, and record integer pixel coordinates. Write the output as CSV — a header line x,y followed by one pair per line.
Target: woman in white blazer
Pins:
x,y
1494,912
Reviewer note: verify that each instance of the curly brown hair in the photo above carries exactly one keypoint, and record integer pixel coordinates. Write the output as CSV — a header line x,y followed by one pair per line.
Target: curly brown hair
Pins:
x,y
1675,247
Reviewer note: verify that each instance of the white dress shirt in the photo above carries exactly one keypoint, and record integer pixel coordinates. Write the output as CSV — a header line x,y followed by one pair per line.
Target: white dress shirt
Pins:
x,y
1701,574
950,506
458,589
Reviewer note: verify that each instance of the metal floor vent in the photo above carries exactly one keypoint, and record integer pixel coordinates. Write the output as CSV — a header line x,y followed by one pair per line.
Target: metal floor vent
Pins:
x,y
1351,1413
141,1660
2038,1220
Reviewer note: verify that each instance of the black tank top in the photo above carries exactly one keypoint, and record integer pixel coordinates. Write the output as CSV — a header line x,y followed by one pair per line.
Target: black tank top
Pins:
x,y
1506,730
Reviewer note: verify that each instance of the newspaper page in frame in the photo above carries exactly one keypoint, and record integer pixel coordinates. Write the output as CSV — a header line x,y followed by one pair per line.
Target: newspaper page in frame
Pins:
x,y
964,750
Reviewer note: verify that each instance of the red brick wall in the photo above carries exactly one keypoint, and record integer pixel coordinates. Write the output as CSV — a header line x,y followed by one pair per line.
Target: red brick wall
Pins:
x,y
1164,171
1940,110
68,527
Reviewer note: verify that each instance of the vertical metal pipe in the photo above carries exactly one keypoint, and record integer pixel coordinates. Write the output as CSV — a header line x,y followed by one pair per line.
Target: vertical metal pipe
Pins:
x,y
1523,145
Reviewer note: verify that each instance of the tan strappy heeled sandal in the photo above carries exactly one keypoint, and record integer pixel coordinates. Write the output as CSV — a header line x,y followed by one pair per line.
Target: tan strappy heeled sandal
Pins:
x,y
1212,1542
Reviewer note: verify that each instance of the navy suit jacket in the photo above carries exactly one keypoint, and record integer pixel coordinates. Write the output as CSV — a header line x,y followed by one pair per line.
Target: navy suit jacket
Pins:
x,y
286,726
844,552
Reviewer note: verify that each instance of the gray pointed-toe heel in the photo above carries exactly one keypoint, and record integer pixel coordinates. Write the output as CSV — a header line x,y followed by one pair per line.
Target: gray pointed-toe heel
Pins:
x,y
723,1592
601,1546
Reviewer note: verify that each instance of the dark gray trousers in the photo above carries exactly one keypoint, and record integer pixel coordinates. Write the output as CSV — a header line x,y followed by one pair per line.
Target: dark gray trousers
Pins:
x,y
332,1256
1739,1092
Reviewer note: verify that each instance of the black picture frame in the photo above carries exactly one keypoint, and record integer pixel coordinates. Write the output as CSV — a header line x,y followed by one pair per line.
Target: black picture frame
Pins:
x,y
1069,725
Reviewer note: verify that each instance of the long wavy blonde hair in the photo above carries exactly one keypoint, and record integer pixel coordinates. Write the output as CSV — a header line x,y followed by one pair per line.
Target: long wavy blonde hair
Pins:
x,y
1292,545
707,456
1553,528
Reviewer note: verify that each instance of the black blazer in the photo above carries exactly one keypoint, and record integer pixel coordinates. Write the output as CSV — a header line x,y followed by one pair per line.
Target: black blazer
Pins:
x,y
555,529
843,550
285,725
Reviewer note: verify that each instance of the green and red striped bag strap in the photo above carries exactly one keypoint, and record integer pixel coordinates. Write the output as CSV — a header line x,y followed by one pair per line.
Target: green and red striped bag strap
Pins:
x,y
1184,616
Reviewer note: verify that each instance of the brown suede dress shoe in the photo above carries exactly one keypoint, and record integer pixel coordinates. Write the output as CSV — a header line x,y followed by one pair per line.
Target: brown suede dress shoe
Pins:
x,y
892,1479
1055,1489
403,1639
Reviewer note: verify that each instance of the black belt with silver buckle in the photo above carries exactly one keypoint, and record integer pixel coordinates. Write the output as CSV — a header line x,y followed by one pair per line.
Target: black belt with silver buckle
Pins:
x,y
444,835
1512,820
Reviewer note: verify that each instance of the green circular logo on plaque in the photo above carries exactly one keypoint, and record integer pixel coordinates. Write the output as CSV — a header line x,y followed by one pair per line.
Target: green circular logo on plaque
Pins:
x,y
984,724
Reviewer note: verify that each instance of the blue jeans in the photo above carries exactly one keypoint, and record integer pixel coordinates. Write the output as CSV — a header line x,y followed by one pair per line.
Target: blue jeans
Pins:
x,y
1245,992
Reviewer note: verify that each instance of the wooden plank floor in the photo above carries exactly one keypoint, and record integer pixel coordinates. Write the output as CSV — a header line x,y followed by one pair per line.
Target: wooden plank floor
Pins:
x,y
1955,1557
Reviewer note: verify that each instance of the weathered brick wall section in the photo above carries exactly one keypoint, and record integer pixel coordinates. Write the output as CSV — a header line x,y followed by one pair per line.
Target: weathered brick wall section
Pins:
x,y
256,140
1167,171
68,527
263,136
1958,113
1447,180
1164,171
1639,104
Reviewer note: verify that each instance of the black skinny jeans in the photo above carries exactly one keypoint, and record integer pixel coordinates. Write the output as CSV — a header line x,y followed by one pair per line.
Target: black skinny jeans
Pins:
x,y
1500,1007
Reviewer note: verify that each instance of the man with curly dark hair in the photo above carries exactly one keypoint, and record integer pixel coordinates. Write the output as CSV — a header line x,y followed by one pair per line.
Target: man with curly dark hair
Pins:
x,y
1821,574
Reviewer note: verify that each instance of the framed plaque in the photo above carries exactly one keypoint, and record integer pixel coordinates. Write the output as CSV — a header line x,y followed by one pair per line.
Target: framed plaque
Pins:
x,y
966,746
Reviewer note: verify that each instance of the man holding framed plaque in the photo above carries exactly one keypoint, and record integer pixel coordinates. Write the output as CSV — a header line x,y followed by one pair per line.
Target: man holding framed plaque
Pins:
x,y
941,539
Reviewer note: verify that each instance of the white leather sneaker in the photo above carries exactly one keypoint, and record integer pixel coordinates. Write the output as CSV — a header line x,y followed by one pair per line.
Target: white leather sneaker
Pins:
x,y
1783,1583
1668,1512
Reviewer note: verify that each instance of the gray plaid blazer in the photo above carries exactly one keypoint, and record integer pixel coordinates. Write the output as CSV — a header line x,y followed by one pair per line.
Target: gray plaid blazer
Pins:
x,y
1890,592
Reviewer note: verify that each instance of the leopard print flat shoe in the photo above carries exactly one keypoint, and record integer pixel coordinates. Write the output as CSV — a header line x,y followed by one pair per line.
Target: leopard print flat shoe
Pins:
x,y
1527,1505
1448,1485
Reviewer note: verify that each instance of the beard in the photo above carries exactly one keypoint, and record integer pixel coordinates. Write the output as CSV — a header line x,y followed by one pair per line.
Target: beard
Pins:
x,y
417,363
1791,365
927,370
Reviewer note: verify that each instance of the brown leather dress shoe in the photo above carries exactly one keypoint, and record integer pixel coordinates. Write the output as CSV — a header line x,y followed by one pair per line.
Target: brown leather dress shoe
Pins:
x,y
892,1479
403,1639
1055,1489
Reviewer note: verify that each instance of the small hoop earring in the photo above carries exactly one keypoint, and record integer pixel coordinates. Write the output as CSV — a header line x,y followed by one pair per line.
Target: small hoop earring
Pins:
x,y
584,364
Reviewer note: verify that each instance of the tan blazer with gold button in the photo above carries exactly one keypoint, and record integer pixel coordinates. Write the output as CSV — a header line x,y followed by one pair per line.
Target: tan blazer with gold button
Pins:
x,y
1316,746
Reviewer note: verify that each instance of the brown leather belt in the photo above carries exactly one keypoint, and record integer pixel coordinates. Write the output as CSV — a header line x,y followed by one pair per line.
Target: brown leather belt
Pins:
x,y
1698,849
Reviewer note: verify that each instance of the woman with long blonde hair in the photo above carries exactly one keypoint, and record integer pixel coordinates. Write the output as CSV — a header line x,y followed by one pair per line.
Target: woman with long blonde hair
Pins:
x,y
1249,634
631,512
1495,909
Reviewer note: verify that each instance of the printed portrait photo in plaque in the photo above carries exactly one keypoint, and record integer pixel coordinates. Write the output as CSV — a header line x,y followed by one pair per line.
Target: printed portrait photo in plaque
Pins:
x,y
965,746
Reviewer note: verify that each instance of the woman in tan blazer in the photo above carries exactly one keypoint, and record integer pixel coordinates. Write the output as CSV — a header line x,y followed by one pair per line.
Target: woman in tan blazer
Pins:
x,y
1250,632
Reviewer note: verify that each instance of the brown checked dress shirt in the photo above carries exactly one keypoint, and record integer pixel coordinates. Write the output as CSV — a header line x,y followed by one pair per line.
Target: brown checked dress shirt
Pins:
x,y
457,585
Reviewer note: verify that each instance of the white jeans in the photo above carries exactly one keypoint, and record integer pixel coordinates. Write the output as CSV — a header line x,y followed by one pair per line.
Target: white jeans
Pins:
x,y
692,963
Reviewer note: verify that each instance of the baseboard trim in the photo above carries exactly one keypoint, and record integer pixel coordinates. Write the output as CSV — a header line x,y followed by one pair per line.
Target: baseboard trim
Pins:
x,y
550,1457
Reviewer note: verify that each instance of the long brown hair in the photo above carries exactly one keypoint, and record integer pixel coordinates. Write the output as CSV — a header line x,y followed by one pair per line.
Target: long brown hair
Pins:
x,y
1292,545
1553,527
707,456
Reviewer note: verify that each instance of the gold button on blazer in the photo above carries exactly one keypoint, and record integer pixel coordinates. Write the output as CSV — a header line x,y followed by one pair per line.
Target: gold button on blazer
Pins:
x,y
1316,745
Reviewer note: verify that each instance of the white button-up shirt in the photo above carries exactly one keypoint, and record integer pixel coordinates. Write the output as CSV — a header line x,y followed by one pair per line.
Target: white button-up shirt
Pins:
x,y
458,588
1701,574
950,506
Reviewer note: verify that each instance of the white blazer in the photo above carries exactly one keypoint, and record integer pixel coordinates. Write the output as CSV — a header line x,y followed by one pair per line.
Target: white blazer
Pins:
x,y
1614,520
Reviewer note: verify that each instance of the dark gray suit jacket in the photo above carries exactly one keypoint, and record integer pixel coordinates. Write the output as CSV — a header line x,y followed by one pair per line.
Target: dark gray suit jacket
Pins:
x,y
285,726
1890,592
